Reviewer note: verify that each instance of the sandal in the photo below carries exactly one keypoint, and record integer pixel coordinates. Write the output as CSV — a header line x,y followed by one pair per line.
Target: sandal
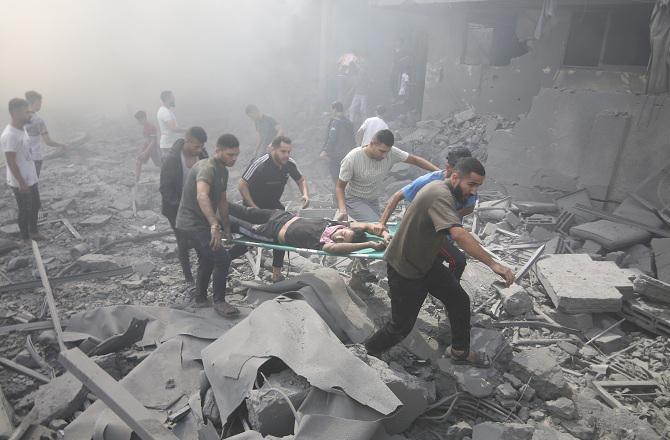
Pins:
x,y
482,360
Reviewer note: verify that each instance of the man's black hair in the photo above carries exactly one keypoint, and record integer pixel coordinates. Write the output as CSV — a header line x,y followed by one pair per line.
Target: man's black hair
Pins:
x,y
16,104
337,106
197,133
140,114
227,141
33,96
381,110
276,142
385,137
469,165
359,236
165,94
457,153
251,109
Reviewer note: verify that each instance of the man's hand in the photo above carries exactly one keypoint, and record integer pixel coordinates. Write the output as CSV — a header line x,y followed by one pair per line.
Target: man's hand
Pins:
x,y
387,237
377,245
24,188
342,217
323,155
215,242
377,229
305,202
504,272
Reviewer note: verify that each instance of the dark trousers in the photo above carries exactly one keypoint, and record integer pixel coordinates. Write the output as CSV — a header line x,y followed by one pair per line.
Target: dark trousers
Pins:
x,y
277,255
29,205
183,248
212,264
455,258
38,167
407,296
261,224
334,168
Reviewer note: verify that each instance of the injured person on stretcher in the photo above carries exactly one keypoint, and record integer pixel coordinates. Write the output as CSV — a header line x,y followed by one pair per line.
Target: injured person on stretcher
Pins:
x,y
278,226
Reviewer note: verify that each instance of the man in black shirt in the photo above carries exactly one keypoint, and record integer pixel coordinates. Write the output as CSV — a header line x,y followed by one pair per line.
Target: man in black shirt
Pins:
x,y
339,139
266,127
263,183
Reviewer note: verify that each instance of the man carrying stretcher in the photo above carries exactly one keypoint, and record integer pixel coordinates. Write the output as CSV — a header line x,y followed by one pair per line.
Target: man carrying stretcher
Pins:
x,y
278,226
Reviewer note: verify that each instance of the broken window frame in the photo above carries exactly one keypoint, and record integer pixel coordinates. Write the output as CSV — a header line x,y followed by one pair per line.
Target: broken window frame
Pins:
x,y
608,11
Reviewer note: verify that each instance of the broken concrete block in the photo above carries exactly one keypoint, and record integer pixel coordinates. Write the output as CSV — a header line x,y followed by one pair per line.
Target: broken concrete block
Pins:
x,y
480,382
540,366
209,409
661,249
143,268
465,115
609,342
502,431
79,250
536,207
543,432
422,346
635,211
18,263
612,236
269,413
506,391
615,257
459,430
577,284
96,262
591,247
639,257
579,321
95,220
540,233
493,343
489,229
562,407
60,398
515,300
513,220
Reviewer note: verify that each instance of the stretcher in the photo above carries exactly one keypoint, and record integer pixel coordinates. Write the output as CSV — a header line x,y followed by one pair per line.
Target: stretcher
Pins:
x,y
364,254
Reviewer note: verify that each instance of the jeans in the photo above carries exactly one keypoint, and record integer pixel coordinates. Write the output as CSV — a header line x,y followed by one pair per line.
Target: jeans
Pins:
x,y
212,264
358,109
363,210
455,258
29,205
407,296
183,248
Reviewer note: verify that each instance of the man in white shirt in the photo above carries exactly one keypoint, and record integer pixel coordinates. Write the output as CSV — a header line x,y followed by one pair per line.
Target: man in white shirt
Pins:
x,y
38,134
371,126
362,173
167,123
21,172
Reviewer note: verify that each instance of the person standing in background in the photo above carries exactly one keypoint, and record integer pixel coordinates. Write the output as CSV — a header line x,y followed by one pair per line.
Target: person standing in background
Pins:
x,y
38,134
167,123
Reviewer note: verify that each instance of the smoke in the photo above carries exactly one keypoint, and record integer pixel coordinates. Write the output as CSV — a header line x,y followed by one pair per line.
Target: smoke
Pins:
x,y
114,57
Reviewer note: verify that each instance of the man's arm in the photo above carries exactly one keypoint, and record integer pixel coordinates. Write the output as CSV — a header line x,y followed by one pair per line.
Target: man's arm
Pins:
x,y
243,186
474,249
10,157
52,143
390,206
304,190
339,195
223,214
421,162
347,248
280,130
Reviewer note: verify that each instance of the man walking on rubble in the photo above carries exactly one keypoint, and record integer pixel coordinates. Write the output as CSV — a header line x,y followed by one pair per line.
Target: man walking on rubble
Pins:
x,y
262,186
21,172
167,123
371,126
202,214
150,147
266,127
414,269
174,172
38,134
451,254
339,139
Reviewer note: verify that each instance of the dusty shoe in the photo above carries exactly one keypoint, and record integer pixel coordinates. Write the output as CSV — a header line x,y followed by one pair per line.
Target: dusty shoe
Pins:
x,y
225,309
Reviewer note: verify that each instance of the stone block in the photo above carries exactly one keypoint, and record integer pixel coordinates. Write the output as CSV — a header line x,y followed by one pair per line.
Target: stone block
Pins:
x,y
502,431
96,262
639,257
609,342
540,366
493,343
579,321
515,300
661,249
459,431
480,382
612,236
423,346
562,407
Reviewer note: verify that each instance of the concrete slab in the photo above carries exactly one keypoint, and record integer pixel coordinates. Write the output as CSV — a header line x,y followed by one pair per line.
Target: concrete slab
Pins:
x,y
612,236
480,382
661,249
540,367
577,284
635,211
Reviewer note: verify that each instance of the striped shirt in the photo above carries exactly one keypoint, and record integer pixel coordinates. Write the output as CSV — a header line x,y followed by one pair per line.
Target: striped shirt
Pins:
x,y
366,175
267,180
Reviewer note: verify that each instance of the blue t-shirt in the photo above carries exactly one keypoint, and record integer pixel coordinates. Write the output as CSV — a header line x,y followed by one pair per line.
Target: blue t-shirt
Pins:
x,y
412,189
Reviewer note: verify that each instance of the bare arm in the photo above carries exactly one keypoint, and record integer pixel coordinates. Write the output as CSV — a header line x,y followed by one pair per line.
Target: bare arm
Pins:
x,y
243,186
10,157
421,162
50,142
339,195
206,204
474,249
304,190
223,214
347,248
390,207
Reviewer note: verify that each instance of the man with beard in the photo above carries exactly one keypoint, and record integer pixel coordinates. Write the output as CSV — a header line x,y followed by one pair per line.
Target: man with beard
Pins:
x,y
262,186
167,123
414,269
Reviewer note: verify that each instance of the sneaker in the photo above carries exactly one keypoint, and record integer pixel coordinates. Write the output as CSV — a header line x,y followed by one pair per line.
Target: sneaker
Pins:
x,y
225,309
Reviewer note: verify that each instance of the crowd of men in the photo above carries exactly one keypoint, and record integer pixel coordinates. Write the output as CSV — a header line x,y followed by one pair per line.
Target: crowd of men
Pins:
x,y
421,257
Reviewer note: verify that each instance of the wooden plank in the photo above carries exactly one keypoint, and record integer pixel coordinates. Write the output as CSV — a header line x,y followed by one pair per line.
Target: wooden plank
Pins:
x,y
24,370
26,327
49,295
142,421
71,228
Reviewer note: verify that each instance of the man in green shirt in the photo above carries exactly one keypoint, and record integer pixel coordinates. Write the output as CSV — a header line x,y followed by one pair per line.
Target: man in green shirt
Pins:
x,y
414,269
202,212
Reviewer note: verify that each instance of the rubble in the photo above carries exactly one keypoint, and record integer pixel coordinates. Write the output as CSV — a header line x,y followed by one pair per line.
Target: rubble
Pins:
x,y
661,249
539,368
96,262
562,407
502,431
515,300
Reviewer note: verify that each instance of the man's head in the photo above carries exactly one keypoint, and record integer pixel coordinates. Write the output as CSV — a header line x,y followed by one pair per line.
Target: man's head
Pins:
x,y
348,235
336,108
281,149
227,149
380,144
253,112
167,98
194,141
141,116
19,110
34,100
380,110
454,155
467,177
